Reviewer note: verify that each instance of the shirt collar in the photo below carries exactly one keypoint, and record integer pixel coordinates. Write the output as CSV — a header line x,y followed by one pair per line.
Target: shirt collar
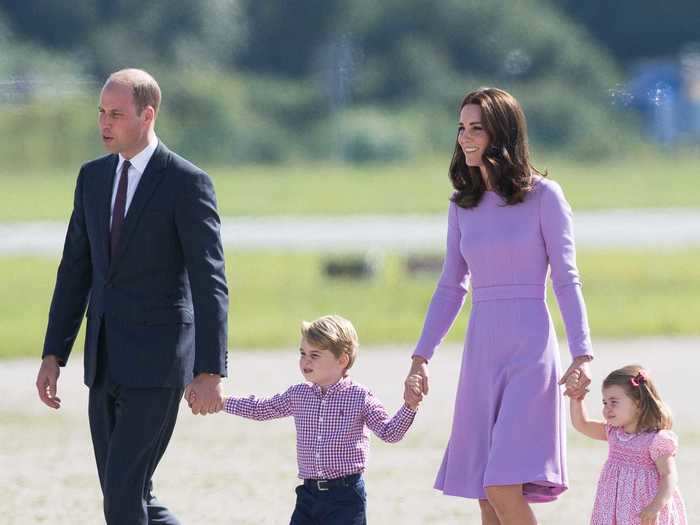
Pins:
x,y
140,160
336,387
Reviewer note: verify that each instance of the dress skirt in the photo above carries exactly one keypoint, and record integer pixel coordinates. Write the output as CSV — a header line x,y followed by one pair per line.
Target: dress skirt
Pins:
x,y
509,423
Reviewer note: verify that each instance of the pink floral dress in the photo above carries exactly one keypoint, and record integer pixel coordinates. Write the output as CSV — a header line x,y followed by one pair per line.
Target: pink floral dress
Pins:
x,y
629,480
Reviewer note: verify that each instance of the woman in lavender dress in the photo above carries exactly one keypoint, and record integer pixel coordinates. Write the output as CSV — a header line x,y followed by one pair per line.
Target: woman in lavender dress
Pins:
x,y
507,225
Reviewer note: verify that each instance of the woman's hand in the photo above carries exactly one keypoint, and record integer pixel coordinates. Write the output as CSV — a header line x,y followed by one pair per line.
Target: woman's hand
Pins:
x,y
571,382
419,367
412,393
580,370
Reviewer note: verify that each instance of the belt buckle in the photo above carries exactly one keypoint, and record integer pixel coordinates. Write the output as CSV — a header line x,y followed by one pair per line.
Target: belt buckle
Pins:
x,y
322,485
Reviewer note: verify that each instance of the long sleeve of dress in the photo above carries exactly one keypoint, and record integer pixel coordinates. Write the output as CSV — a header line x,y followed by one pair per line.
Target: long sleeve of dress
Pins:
x,y
449,294
557,229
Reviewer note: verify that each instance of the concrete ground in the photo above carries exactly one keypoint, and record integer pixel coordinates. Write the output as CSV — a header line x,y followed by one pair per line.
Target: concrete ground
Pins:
x,y
220,469
645,228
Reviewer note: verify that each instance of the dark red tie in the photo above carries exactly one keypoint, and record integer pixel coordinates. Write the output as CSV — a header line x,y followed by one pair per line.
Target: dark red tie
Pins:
x,y
119,208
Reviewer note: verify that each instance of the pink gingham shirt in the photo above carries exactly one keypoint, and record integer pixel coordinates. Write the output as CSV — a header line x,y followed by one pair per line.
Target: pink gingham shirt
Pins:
x,y
332,434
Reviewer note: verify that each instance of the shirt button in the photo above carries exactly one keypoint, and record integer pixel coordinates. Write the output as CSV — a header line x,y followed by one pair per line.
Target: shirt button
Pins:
x,y
320,438
320,419
323,401
318,455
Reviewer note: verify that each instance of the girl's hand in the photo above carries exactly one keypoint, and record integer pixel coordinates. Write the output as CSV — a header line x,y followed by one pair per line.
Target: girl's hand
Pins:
x,y
413,394
580,366
650,515
572,383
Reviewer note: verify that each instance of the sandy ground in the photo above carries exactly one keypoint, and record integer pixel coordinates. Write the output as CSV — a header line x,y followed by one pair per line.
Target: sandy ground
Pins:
x,y
224,470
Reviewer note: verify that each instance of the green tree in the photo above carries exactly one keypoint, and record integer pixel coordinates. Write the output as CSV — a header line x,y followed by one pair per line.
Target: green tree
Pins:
x,y
637,29
108,34
284,37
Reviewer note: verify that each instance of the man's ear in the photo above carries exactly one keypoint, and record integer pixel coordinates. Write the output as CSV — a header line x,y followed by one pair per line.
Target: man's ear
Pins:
x,y
149,114
344,360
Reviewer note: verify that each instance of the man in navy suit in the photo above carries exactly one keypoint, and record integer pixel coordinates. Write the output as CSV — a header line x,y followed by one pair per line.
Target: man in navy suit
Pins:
x,y
143,253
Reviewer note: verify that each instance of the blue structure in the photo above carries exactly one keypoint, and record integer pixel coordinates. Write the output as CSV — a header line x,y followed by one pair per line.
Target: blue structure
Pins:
x,y
667,93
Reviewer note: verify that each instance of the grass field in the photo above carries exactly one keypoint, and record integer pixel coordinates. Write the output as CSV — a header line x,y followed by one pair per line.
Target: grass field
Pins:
x,y
629,294
631,181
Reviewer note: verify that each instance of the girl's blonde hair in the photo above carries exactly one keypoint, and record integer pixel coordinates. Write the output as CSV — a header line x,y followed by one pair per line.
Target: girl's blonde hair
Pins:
x,y
638,385
334,333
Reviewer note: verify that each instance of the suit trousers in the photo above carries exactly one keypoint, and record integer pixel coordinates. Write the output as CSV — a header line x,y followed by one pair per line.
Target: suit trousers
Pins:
x,y
130,428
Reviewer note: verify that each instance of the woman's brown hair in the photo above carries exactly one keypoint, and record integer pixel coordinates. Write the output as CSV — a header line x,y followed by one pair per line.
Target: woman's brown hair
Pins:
x,y
507,159
638,385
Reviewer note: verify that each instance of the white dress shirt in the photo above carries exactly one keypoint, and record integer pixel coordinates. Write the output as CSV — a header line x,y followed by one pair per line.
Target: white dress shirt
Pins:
x,y
138,166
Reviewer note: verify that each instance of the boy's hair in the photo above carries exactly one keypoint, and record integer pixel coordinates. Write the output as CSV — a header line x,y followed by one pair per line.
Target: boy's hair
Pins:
x,y
334,333
638,385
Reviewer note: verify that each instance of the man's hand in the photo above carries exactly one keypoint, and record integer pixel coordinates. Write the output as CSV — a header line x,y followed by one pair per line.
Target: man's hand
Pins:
x,y
580,369
47,381
205,394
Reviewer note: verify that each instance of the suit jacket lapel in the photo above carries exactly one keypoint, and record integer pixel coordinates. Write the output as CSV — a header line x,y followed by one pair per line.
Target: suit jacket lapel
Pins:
x,y
150,179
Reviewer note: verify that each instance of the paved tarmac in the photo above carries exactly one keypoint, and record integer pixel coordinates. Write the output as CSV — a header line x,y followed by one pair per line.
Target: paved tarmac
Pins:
x,y
647,229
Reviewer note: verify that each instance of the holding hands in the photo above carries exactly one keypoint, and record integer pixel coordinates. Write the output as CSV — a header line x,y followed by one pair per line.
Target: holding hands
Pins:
x,y
577,378
572,382
204,394
413,393
416,384
650,515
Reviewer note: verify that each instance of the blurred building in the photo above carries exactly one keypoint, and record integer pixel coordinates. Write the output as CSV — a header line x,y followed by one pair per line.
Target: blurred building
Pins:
x,y
667,93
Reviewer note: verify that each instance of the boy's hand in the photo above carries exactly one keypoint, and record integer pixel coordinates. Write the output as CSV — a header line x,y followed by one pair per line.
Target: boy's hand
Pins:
x,y
419,366
189,396
413,392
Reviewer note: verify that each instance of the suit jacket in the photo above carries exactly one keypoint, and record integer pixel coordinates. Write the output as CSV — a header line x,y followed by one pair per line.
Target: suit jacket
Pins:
x,y
162,298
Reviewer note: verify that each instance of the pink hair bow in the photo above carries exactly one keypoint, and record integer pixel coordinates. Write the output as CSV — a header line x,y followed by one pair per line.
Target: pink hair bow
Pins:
x,y
639,379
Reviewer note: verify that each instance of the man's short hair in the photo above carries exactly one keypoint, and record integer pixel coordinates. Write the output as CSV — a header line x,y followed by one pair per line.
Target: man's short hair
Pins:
x,y
144,87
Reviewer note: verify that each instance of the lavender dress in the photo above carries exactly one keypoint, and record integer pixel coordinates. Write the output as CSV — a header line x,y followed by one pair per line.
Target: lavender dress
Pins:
x,y
509,423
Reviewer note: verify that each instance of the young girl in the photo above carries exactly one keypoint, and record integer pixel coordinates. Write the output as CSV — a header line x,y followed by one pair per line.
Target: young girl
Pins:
x,y
638,482
332,415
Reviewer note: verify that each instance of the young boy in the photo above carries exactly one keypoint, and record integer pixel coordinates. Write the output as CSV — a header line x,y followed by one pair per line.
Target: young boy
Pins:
x,y
331,413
